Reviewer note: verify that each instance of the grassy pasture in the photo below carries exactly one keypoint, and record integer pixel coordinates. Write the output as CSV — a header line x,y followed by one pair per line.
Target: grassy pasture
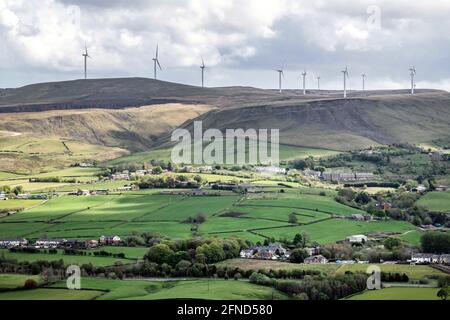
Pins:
x,y
281,214
12,230
254,264
183,289
436,201
398,293
225,224
338,229
11,204
50,294
215,290
414,272
59,207
13,281
286,152
189,207
68,259
301,201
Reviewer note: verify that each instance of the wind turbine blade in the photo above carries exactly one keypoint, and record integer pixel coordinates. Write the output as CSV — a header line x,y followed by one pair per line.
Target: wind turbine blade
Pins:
x,y
157,61
157,49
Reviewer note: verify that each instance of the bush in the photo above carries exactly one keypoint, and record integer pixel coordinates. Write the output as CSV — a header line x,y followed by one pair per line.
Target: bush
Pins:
x,y
261,279
30,284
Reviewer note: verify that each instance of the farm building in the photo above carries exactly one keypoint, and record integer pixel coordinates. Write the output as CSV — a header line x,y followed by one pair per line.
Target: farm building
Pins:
x,y
109,240
356,176
312,173
316,259
270,252
270,170
359,238
312,251
358,217
430,258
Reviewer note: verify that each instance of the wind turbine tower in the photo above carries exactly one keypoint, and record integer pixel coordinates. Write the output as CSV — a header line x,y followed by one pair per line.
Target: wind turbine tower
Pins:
x,y
85,55
318,83
304,82
203,67
364,81
345,72
412,74
280,74
156,63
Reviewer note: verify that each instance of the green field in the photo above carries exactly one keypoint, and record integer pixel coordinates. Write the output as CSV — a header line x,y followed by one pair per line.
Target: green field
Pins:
x,y
413,272
14,204
330,231
185,289
255,264
50,294
397,294
68,259
255,217
436,201
13,281
301,201
286,152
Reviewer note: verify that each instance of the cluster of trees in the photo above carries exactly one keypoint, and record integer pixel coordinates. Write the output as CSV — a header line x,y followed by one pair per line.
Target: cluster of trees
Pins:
x,y
394,277
204,251
12,191
169,182
197,219
435,242
403,206
315,287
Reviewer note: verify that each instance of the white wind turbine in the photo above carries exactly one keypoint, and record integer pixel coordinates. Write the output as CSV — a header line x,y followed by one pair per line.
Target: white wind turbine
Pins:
x,y
364,76
304,82
280,74
412,74
318,83
85,55
345,72
203,67
156,62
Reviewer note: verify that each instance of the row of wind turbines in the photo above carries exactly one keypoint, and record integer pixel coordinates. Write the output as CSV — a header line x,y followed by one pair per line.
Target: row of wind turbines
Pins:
x,y
157,65
346,75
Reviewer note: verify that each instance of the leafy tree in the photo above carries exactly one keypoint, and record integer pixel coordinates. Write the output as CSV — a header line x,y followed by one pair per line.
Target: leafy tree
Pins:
x,y
30,284
435,242
363,198
391,243
346,193
160,253
443,293
298,255
293,218
157,170
17,190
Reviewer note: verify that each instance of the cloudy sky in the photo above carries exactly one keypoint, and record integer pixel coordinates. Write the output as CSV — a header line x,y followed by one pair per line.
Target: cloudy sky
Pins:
x,y
241,41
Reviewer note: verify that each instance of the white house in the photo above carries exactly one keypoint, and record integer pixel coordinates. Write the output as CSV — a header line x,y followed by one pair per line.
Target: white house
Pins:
x,y
49,243
359,238
109,239
271,170
11,243
316,259
430,258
